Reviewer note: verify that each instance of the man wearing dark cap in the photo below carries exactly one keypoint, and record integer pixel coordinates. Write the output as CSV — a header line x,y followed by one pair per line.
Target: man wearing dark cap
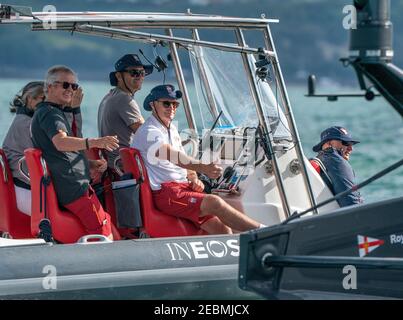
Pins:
x,y
334,151
176,188
118,114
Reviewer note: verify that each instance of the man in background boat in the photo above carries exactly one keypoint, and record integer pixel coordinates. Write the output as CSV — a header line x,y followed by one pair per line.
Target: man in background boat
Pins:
x,y
63,153
334,151
119,114
176,188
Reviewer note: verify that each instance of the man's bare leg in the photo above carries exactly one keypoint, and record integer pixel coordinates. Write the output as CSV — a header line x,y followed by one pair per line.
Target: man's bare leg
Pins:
x,y
215,226
212,204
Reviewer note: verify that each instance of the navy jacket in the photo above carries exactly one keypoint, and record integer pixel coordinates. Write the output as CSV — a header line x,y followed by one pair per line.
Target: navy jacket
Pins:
x,y
341,174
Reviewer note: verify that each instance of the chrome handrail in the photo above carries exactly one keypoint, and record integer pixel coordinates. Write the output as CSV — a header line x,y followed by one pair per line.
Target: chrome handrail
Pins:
x,y
25,175
44,167
116,167
155,38
136,157
67,21
3,167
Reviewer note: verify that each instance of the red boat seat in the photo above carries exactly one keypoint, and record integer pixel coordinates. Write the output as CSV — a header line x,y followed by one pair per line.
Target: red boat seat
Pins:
x,y
66,227
155,222
12,221
319,167
315,165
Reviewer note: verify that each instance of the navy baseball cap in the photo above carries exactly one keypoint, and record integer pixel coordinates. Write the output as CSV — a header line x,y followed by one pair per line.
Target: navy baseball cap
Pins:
x,y
334,133
128,60
161,91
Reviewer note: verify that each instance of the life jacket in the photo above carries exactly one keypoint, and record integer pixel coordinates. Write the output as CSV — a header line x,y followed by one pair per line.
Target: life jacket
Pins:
x,y
321,169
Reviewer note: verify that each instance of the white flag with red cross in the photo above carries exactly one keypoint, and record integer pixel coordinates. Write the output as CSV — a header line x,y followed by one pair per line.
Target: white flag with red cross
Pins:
x,y
368,244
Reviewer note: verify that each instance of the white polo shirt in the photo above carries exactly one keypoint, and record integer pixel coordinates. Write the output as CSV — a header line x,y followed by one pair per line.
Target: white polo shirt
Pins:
x,y
148,139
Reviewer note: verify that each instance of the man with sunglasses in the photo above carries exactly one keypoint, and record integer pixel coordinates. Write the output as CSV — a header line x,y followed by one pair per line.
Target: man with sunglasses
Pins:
x,y
64,153
118,113
334,151
176,188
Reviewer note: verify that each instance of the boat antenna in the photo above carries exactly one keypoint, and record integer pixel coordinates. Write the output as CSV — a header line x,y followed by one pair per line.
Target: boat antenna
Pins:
x,y
207,137
378,175
216,121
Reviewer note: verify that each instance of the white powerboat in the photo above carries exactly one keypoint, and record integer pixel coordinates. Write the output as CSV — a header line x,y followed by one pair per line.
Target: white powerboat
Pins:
x,y
240,114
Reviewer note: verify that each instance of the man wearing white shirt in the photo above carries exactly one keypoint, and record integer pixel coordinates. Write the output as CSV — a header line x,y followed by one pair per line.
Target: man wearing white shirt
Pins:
x,y
176,188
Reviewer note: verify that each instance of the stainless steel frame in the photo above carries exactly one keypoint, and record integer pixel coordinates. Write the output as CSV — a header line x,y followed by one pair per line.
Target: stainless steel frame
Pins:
x,y
289,115
68,20
153,37
260,112
212,105
3,167
182,84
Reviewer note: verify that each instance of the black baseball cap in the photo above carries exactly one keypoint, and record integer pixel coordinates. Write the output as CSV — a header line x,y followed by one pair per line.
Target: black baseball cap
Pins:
x,y
334,133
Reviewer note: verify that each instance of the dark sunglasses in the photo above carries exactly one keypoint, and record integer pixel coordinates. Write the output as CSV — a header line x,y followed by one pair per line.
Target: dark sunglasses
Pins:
x,y
136,73
167,104
66,85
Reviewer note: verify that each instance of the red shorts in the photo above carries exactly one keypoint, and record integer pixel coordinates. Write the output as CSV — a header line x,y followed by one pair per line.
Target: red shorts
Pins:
x,y
180,200
91,214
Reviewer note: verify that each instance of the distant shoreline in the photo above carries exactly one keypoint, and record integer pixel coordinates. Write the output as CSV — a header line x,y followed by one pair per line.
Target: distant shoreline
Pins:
x,y
337,84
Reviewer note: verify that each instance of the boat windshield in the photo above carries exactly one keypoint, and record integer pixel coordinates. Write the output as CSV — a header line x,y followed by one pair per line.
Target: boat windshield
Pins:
x,y
221,84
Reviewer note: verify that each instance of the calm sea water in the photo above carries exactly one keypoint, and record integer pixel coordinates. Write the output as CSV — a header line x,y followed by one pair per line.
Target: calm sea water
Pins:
x,y
375,124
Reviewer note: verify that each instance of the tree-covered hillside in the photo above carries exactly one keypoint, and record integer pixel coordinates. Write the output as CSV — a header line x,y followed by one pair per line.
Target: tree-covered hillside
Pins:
x,y
309,38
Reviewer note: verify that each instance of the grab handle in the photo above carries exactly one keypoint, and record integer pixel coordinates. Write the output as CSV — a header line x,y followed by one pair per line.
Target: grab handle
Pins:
x,y
116,166
25,175
3,166
101,239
